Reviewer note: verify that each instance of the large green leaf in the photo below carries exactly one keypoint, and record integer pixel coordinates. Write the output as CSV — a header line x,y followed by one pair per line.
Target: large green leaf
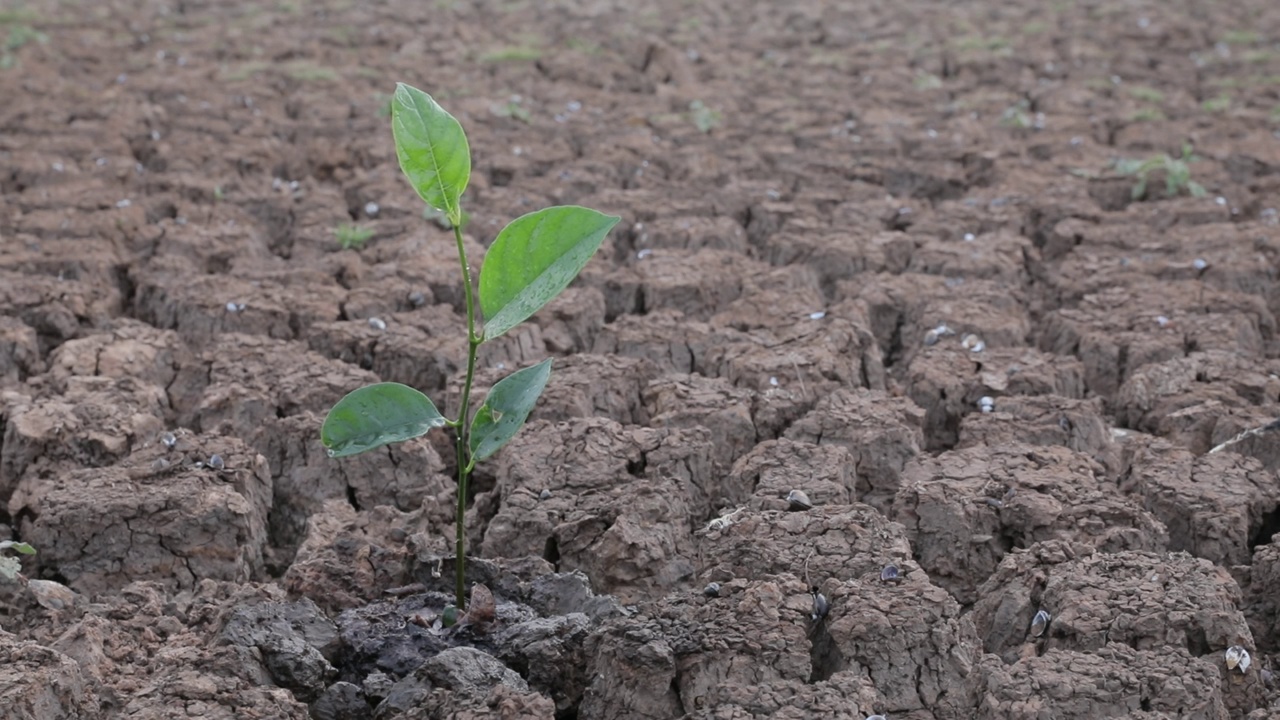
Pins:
x,y
506,408
377,415
432,149
533,259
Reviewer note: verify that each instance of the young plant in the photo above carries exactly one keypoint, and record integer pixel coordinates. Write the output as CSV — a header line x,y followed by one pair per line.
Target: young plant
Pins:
x,y
352,236
530,262
1177,173
11,567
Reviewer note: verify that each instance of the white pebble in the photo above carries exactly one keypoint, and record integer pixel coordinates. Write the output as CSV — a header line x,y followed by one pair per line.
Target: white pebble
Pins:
x,y
371,209
817,315
377,323
1199,264
969,237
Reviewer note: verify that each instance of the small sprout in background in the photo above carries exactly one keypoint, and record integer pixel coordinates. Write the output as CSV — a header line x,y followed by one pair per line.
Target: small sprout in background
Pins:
x,y
927,81
973,343
1238,659
703,117
216,462
377,324
1222,103
986,404
1177,173
1040,622
797,500
544,495
512,109
352,236
218,194
712,590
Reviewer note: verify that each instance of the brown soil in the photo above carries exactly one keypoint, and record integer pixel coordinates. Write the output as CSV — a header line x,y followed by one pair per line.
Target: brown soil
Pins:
x,y
810,192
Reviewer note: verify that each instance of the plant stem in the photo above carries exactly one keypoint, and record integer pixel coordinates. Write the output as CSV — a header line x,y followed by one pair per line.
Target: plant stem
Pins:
x,y
464,428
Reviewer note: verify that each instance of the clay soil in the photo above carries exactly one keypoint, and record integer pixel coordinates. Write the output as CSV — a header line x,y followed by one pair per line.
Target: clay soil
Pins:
x,y
878,253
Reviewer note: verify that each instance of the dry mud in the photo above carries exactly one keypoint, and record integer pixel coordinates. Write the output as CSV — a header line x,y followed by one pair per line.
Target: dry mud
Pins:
x,y
810,191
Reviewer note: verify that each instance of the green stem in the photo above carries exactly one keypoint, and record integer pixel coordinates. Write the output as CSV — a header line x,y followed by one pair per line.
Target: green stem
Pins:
x,y
465,463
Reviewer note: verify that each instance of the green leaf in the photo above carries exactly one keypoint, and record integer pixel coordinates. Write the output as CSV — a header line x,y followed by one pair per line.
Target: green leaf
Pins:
x,y
377,415
506,408
533,259
20,547
432,148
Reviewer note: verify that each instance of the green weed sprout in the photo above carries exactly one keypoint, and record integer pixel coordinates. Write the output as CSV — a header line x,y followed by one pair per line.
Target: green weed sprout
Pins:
x,y
529,263
1177,173
352,236
11,567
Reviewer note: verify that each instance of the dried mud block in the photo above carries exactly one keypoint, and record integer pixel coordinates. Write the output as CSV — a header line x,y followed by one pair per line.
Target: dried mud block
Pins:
x,y
1000,256
908,638
790,368
1046,420
463,682
742,654
350,558
1185,399
948,381
1120,329
697,284
292,642
1262,594
571,322
128,349
902,310
836,256
19,351
97,421
1114,681
665,338
1148,601
688,401
623,501
691,233
837,541
827,474
1228,256
173,640
205,308
772,308
58,309
883,434
965,509
159,514
1216,506
39,683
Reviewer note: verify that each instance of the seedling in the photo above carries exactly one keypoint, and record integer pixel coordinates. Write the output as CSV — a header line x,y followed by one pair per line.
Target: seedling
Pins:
x,y
352,236
529,263
1177,173
703,117
10,566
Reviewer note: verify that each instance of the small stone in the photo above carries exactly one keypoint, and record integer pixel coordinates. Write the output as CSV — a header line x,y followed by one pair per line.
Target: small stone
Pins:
x,y
51,595
972,343
1238,659
216,462
1199,264
1040,622
712,590
798,500
986,404
417,299
169,440
890,574
377,323
544,495
371,209
820,606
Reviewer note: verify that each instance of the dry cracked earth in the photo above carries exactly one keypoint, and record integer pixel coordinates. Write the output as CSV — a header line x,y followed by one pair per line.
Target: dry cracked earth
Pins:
x,y
885,254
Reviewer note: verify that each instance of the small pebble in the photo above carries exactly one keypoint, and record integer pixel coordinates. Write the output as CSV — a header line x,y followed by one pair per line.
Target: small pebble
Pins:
x,y
235,307
1238,659
644,254
544,495
773,381
371,209
798,500
1199,264
973,343
216,462
417,298
1040,622
712,590
1220,200
169,440
1162,320
817,315
377,323
890,574
986,404
969,237
124,203
820,606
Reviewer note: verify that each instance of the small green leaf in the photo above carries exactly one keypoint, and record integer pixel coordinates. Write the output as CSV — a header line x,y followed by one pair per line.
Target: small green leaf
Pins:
x,y
432,148
20,547
506,408
533,259
377,415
